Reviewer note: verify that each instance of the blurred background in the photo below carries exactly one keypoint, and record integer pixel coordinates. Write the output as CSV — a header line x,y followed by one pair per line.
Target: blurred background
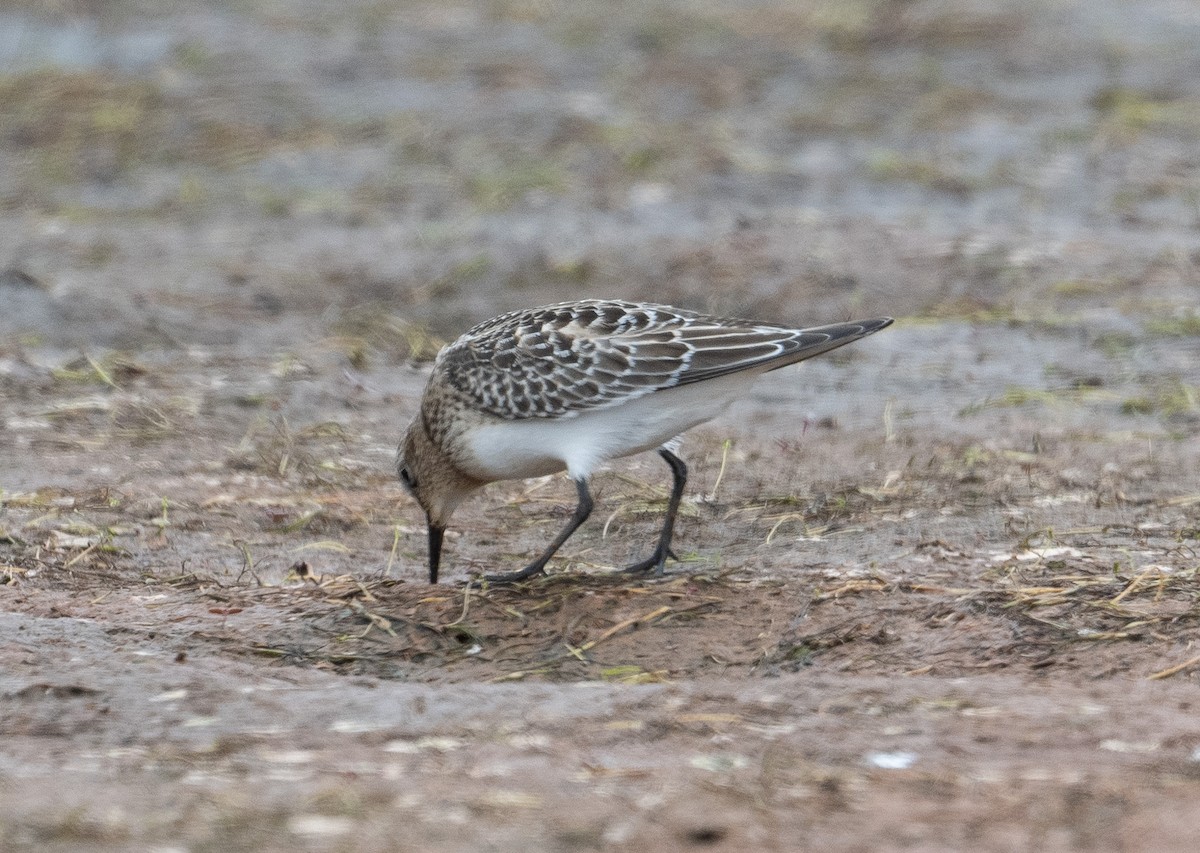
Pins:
x,y
375,174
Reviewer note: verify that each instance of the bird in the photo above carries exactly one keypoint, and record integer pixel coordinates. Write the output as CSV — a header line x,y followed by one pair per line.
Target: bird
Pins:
x,y
572,385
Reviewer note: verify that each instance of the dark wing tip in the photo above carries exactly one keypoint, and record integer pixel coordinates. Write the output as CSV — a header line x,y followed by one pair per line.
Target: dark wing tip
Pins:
x,y
854,329
851,330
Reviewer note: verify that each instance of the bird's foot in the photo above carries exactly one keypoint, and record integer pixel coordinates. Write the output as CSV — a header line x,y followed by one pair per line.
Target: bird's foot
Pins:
x,y
655,561
526,573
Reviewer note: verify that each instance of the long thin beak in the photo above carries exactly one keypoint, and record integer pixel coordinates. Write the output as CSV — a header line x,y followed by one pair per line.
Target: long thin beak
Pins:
x,y
435,550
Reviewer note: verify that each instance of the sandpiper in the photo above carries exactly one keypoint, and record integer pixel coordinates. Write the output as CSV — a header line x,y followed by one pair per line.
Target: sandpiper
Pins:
x,y
572,385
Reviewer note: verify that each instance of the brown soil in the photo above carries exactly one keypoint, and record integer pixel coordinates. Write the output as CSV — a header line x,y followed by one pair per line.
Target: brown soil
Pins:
x,y
937,591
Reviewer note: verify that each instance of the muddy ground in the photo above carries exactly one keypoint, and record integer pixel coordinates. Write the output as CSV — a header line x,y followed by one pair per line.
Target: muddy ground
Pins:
x,y
936,591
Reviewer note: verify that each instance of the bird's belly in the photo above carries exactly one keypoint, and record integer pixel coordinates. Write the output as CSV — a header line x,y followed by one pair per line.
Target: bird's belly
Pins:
x,y
534,447
512,450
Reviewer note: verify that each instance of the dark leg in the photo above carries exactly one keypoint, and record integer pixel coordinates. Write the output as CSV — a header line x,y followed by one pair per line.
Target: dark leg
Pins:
x,y
582,510
658,559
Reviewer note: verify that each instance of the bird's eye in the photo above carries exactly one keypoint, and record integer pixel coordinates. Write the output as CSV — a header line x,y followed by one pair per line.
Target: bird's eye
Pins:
x,y
407,478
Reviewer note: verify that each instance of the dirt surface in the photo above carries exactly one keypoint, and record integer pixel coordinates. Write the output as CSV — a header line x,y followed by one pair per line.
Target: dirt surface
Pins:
x,y
937,591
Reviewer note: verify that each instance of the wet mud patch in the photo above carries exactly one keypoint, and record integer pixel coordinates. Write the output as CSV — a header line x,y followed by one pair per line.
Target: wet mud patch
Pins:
x,y
1043,611
1049,615
559,629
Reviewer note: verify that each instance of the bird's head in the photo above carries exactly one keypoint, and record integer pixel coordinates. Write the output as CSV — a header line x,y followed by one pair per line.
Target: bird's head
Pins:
x,y
438,486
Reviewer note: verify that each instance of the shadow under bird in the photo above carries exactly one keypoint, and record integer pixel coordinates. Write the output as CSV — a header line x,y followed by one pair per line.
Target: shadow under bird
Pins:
x,y
573,385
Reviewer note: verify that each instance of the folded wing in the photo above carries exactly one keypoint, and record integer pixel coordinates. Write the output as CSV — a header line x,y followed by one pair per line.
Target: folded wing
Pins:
x,y
560,360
